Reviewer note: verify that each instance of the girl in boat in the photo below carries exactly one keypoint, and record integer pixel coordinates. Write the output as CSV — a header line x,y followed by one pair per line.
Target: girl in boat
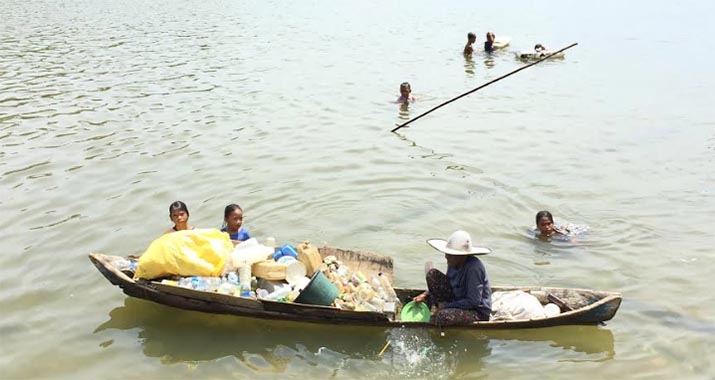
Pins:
x,y
233,224
463,295
179,214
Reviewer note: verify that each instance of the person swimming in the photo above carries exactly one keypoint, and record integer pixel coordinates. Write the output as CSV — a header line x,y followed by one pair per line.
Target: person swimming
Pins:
x,y
471,38
489,43
405,93
233,223
545,227
179,214
545,224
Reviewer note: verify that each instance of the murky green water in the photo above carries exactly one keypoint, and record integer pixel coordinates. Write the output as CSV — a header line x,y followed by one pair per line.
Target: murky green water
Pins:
x,y
109,111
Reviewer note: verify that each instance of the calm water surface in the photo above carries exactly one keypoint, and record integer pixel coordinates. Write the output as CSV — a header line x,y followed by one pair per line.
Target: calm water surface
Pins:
x,y
111,110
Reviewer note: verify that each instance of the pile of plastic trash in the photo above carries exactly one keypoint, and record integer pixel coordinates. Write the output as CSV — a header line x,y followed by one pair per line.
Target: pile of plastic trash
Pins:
x,y
357,292
281,273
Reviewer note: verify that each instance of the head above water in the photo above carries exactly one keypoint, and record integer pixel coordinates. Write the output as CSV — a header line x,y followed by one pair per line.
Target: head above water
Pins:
x,y
471,37
545,222
405,89
490,36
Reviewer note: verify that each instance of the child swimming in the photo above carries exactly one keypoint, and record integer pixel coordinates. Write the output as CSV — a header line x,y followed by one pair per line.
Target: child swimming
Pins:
x,y
545,227
545,224
405,91
471,38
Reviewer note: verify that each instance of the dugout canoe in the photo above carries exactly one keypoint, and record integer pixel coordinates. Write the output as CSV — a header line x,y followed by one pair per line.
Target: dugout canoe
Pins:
x,y
588,307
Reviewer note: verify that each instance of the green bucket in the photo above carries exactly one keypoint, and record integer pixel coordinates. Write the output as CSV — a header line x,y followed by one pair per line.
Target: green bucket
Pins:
x,y
319,291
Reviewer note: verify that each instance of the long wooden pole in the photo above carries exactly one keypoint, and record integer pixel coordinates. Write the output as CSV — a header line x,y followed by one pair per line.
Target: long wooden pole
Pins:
x,y
484,85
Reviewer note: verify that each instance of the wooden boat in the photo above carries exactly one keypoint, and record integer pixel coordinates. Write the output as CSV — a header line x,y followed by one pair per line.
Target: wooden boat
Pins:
x,y
587,307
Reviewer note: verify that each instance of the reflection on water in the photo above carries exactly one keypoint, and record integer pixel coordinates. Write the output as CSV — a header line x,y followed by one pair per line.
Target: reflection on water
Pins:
x,y
265,346
404,111
468,64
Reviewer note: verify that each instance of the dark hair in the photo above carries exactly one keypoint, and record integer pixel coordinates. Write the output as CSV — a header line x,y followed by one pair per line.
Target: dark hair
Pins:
x,y
231,208
542,214
405,84
178,205
471,35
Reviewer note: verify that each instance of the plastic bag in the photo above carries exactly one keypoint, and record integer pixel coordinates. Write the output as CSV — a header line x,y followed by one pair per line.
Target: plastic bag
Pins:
x,y
200,252
516,304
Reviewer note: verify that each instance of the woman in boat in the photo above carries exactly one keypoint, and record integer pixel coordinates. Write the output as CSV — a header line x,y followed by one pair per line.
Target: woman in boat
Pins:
x,y
233,224
179,214
464,294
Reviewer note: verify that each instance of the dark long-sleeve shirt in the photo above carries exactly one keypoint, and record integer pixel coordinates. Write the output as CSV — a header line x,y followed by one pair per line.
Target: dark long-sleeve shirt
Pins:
x,y
471,288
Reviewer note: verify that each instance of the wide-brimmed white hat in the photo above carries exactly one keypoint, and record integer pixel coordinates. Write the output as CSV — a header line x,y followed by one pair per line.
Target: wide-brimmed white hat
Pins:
x,y
459,243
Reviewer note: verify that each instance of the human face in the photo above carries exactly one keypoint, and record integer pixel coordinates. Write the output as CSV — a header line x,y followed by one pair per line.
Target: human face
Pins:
x,y
405,91
455,261
179,217
234,220
545,226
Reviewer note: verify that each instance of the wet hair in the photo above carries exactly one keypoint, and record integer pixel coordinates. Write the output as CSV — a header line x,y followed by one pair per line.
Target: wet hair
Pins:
x,y
471,35
542,214
539,46
178,205
231,208
405,84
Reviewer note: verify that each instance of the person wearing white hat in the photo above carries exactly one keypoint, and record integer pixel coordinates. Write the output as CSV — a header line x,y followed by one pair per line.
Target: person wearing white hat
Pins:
x,y
464,294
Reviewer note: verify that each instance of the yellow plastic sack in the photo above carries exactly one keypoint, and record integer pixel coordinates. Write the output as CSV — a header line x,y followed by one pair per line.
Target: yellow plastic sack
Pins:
x,y
201,252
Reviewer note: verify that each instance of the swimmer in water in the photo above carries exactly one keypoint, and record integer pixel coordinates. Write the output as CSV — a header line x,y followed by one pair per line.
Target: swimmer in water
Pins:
x,y
471,38
546,227
489,43
405,91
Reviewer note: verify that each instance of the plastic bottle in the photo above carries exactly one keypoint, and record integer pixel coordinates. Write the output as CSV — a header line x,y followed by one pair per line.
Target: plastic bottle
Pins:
x,y
271,242
387,287
281,292
245,290
213,283
185,282
262,294
227,287
244,276
232,277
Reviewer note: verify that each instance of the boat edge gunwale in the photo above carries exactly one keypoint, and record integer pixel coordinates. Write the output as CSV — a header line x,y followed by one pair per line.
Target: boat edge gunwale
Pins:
x,y
157,292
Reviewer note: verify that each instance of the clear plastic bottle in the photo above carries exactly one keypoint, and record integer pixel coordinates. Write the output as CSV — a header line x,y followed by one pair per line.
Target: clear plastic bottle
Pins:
x,y
244,276
245,290
281,292
227,287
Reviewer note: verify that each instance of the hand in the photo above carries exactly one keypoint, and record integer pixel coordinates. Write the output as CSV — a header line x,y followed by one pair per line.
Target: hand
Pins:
x,y
420,298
